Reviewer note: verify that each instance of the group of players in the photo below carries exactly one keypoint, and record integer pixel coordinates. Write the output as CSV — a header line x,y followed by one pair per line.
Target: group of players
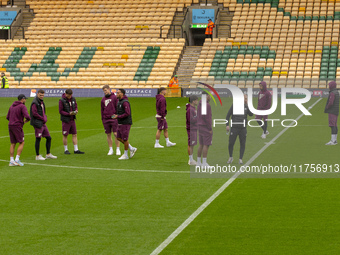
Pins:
x,y
117,119
115,113
201,125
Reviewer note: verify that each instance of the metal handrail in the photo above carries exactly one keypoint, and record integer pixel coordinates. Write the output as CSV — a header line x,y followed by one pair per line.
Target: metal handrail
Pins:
x,y
160,32
186,38
23,30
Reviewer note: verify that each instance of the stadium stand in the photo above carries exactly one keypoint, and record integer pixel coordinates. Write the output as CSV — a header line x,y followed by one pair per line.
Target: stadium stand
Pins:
x,y
289,43
91,43
74,64
81,43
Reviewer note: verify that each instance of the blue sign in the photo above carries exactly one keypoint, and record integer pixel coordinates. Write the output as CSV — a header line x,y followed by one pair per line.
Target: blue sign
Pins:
x,y
7,17
201,16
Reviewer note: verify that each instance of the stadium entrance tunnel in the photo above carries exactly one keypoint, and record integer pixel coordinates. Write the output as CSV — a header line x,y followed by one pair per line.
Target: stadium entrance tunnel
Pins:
x,y
197,36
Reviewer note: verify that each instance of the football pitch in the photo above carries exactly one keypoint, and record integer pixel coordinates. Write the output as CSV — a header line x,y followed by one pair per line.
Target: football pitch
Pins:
x,y
96,204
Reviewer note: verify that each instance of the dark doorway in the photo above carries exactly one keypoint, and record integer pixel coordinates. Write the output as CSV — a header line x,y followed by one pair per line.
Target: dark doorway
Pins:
x,y
3,34
198,36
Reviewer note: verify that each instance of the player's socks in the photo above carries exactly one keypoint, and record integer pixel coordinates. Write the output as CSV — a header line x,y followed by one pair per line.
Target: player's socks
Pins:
x,y
117,151
11,159
167,140
126,153
198,160
131,147
204,161
191,157
334,138
75,147
17,158
65,148
157,141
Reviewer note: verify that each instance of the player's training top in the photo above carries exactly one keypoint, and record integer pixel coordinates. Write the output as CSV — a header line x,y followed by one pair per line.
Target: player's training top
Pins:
x,y
191,117
16,114
161,106
124,111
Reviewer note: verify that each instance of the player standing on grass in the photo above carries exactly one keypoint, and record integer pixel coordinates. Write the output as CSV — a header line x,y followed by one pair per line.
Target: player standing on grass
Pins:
x,y
68,110
205,132
191,121
16,115
238,129
38,121
161,118
264,103
332,108
124,123
108,109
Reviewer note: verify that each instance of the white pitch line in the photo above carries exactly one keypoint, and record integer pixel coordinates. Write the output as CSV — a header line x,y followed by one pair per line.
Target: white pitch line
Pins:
x,y
103,169
193,216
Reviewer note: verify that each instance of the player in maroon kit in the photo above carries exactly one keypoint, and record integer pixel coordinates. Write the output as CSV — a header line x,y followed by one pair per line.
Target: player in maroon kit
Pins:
x,y
205,132
161,112
332,108
68,110
191,123
108,108
38,121
16,115
264,103
124,123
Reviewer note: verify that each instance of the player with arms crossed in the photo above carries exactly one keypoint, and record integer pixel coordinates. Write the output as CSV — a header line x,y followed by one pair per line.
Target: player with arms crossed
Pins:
x,y
108,108
238,129
191,122
16,115
124,123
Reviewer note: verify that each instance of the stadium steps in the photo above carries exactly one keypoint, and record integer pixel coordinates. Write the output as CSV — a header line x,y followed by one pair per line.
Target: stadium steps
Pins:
x,y
187,65
175,29
224,26
28,17
20,3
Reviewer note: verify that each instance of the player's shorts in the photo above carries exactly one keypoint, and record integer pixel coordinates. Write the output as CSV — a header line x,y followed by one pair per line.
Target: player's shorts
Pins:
x,y
332,120
205,138
192,137
110,126
123,132
162,124
42,132
16,134
69,128
260,117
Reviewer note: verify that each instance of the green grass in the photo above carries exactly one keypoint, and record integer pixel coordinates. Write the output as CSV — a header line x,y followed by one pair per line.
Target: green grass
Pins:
x,y
93,207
